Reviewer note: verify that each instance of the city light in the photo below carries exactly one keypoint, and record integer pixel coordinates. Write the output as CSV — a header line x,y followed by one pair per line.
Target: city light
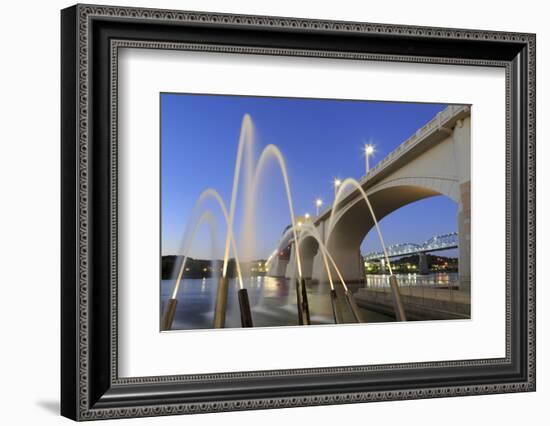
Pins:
x,y
318,204
337,183
307,216
369,150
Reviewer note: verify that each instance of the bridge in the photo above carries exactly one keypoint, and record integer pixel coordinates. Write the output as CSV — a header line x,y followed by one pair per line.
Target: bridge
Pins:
x,y
436,243
435,160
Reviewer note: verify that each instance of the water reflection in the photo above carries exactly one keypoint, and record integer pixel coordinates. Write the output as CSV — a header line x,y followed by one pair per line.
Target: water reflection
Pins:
x,y
273,303
442,279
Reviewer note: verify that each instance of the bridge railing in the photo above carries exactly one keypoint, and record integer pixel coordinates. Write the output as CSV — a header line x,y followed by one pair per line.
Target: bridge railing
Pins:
x,y
434,124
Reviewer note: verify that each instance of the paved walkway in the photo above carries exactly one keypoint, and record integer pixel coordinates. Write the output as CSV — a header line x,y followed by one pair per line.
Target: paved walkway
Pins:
x,y
443,293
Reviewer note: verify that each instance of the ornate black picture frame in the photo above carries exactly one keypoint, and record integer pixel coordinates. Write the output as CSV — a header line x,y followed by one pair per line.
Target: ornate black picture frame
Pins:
x,y
91,387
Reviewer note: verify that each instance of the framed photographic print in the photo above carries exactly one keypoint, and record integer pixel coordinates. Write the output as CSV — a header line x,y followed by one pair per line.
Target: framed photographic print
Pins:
x,y
263,212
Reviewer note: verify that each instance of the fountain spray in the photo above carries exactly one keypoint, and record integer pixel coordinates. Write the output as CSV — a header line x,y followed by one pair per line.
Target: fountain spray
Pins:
x,y
271,151
245,140
396,294
172,303
312,231
220,308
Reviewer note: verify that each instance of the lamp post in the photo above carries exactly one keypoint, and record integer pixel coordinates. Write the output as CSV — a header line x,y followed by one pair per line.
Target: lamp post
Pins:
x,y
318,204
337,183
369,150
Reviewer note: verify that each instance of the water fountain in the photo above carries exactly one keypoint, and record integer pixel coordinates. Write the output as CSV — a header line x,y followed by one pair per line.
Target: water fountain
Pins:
x,y
171,304
243,296
271,151
253,174
309,230
246,140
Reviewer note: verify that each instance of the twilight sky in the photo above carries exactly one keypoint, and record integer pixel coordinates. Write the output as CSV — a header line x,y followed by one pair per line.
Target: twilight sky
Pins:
x,y
320,140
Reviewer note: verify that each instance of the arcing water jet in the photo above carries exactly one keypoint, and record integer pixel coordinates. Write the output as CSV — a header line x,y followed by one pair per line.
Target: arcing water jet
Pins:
x,y
171,304
271,151
311,230
398,304
219,311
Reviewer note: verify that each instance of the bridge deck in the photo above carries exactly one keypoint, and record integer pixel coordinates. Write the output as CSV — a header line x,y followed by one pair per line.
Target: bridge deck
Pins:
x,y
423,139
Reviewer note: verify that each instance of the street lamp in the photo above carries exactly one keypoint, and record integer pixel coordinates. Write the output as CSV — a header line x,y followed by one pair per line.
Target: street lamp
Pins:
x,y
369,150
318,204
307,216
337,183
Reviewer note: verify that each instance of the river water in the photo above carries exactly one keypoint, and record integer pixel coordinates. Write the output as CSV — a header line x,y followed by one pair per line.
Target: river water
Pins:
x,y
273,300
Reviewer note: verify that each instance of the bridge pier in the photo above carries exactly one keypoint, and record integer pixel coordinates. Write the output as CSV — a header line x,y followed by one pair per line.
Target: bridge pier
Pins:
x,y
463,218
309,248
291,265
382,266
278,267
423,268
461,143
318,271
349,261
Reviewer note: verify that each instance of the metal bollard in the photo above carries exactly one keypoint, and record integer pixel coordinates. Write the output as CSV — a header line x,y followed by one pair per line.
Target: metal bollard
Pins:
x,y
299,303
244,304
336,312
397,302
169,313
221,302
353,306
305,303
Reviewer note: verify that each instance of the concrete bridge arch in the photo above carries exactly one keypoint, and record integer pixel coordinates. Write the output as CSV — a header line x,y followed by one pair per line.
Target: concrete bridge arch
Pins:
x,y
353,221
434,161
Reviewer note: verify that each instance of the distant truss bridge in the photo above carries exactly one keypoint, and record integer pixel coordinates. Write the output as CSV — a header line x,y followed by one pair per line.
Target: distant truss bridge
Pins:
x,y
436,243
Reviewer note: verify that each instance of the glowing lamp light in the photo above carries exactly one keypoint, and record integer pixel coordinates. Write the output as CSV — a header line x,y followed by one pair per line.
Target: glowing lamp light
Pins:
x,y
337,183
369,150
318,204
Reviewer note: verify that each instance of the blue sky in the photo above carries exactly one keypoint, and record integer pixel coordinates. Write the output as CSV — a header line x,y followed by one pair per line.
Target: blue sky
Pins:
x,y
320,140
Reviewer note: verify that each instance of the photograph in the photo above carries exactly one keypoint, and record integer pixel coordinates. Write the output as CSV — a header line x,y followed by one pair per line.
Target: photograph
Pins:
x,y
265,208
279,211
